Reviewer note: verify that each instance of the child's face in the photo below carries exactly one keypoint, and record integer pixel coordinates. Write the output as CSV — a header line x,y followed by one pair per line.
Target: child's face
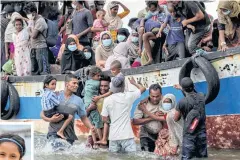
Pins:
x,y
9,151
115,71
96,77
52,85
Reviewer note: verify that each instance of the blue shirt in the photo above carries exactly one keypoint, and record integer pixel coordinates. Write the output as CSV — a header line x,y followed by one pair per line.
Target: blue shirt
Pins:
x,y
49,100
175,33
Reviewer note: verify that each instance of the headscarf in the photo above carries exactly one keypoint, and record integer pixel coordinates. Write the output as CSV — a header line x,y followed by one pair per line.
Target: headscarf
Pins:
x,y
11,28
175,128
62,49
114,21
105,51
234,7
92,59
133,54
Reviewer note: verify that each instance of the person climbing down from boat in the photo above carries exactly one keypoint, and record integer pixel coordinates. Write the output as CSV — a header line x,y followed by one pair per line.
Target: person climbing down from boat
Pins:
x,y
196,16
70,104
91,91
122,35
12,147
157,15
103,89
117,108
150,118
169,140
50,102
174,45
192,109
115,68
38,32
229,24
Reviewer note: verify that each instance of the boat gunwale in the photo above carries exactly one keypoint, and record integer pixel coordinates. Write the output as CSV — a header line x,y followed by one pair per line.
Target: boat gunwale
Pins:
x,y
211,56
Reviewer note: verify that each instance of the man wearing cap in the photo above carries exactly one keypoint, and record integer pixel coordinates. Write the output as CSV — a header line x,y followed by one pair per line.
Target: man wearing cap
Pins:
x,y
192,108
118,107
5,18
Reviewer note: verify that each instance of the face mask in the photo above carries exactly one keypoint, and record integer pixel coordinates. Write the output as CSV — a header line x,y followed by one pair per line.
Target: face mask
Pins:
x,y
227,12
74,6
30,16
88,55
121,38
134,39
167,106
72,47
17,8
107,42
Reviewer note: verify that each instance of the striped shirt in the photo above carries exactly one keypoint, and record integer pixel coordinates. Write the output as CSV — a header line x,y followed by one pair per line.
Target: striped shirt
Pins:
x,y
49,100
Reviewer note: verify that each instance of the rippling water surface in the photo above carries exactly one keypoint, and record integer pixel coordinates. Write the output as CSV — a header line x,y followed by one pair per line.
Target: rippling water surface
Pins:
x,y
43,151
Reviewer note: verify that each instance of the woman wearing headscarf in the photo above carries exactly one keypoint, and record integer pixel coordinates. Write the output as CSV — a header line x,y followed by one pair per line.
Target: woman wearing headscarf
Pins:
x,y
89,55
104,49
122,35
72,57
229,23
115,19
120,53
133,55
169,139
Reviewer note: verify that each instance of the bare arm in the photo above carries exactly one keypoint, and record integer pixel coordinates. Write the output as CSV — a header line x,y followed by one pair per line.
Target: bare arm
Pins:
x,y
164,25
142,121
177,116
6,50
199,16
97,29
105,119
84,32
140,87
124,7
153,116
55,118
86,122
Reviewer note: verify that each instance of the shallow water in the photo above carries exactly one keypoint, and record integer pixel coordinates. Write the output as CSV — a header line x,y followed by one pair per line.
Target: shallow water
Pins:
x,y
43,151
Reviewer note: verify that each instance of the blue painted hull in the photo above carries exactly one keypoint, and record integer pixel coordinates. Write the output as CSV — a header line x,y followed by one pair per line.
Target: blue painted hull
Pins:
x,y
227,101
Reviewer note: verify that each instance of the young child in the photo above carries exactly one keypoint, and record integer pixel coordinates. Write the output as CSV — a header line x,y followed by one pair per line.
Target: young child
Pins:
x,y
50,102
99,23
116,72
12,145
175,40
91,91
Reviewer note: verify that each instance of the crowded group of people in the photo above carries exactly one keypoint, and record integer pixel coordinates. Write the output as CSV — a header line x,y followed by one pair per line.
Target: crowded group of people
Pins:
x,y
85,35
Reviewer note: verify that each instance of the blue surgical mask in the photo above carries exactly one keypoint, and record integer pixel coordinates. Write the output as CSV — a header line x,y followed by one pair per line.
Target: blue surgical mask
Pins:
x,y
107,42
135,39
167,106
72,47
227,12
121,38
88,55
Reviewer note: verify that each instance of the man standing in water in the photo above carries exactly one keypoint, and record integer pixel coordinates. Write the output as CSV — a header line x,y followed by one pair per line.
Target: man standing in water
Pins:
x,y
192,108
70,104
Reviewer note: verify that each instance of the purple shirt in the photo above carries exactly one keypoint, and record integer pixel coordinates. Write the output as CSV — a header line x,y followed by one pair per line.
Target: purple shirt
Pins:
x,y
175,34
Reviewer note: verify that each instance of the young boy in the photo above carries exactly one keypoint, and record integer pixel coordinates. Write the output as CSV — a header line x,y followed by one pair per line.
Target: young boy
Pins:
x,y
175,40
116,72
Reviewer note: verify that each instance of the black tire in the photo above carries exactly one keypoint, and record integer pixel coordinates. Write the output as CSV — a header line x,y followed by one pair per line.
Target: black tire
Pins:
x,y
14,103
209,72
4,94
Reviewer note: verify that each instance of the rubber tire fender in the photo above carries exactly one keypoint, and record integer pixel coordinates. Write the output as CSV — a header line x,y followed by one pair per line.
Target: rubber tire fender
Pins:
x,y
4,94
14,105
209,72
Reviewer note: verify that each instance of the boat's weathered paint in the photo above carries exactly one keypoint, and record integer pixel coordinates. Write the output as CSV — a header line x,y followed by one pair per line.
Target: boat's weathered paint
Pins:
x,y
223,113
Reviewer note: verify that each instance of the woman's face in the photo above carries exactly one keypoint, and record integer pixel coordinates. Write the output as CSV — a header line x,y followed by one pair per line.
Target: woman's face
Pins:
x,y
18,26
167,100
225,11
72,43
9,151
114,11
135,34
105,36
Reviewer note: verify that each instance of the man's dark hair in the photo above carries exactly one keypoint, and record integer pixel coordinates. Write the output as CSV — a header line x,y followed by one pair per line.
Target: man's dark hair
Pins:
x,y
30,7
155,87
131,21
69,77
53,15
19,141
105,77
150,3
80,2
203,5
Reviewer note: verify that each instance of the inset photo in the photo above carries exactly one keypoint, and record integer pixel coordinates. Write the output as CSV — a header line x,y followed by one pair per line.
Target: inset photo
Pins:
x,y
16,140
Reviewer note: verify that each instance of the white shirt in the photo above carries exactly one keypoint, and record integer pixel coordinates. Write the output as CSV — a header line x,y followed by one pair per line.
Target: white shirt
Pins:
x,y
118,107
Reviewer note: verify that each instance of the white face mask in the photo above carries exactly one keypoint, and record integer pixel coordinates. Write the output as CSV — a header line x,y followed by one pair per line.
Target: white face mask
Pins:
x,y
30,16
87,55
227,12
74,6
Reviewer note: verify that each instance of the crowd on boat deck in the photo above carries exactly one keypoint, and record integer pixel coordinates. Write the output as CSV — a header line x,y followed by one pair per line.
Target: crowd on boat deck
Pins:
x,y
34,38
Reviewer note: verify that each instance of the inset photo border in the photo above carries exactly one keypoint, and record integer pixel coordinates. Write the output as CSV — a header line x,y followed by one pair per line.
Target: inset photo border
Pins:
x,y
16,132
